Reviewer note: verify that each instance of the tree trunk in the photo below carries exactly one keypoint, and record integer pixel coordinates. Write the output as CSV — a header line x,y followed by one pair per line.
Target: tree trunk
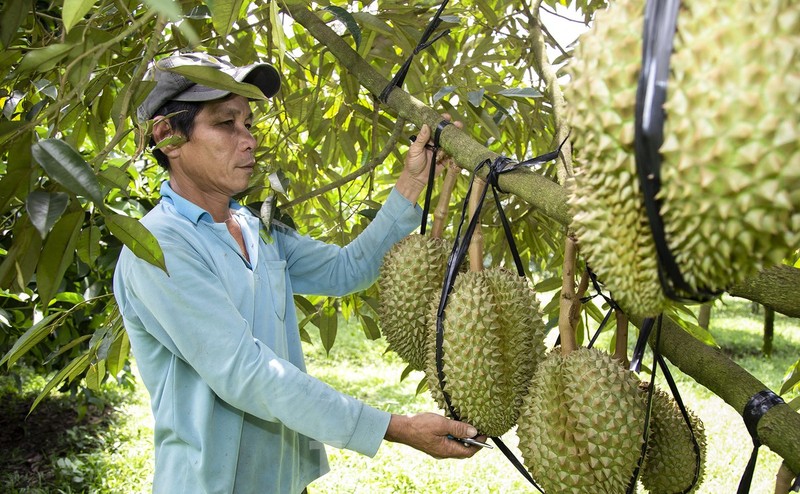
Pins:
x,y
779,429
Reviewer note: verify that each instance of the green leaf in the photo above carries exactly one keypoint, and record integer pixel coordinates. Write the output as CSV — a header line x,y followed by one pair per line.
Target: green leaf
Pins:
x,y
523,92
137,238
211,77
89,245
169,8
792,379
442,93
118,353
374,22
224,13
29,339
43,59
422,386
553,283
476,97
11,17
78,365
23,256
57,254
328,324
74,11
348,20
370,327
67,167
45,208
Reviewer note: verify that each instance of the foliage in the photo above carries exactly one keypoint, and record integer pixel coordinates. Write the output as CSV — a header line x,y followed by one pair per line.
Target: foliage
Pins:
x,y
75,176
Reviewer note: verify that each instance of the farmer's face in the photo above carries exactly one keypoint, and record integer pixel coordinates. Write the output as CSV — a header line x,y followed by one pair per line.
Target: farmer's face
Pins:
x,y
218,159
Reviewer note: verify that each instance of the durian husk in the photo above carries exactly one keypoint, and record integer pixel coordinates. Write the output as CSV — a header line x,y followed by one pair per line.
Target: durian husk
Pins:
x,y
581,424
670,462
731,154
493,340
411,278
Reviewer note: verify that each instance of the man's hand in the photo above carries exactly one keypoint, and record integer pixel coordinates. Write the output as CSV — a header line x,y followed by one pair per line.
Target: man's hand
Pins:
x,y
414,176
428,433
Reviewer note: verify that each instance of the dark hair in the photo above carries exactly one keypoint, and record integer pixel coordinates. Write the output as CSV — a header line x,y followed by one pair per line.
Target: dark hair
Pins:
x,y
182,123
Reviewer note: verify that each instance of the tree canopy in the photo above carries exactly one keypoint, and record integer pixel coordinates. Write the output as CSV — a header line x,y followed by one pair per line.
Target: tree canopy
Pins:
x,y
76,175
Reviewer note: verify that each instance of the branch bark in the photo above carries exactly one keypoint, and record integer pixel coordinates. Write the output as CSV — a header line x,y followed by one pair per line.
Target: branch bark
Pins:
x,y
779,429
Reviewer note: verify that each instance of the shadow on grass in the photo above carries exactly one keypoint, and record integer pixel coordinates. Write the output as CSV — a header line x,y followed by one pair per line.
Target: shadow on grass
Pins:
x,y
41,451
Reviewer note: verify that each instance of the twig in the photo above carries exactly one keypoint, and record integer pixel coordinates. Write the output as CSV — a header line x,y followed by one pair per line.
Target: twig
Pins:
x,y
476,243
371,164
568,297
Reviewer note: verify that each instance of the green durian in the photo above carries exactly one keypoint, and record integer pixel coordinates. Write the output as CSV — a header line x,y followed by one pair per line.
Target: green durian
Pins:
x,y
581,424
493,339
410,279
670,463
730,173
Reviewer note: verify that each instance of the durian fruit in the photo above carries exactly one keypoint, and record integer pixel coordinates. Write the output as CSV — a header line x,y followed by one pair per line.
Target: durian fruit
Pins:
x,y
730,172
493,339
670,463
581,424
411,277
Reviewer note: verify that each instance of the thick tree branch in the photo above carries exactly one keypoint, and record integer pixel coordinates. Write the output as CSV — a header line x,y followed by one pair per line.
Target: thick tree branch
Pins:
x,y
779,429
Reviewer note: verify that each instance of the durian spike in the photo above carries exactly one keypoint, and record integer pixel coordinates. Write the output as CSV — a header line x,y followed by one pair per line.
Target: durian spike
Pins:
x,y
443,206
568,297
476,244
784,479
621,346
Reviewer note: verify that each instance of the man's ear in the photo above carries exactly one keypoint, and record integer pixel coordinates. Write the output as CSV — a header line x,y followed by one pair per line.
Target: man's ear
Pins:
x,y
163,130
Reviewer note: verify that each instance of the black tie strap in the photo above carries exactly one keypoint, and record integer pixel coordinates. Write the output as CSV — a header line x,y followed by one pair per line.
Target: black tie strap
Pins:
x,y
756,407
399,77
431,174
659,31
457,255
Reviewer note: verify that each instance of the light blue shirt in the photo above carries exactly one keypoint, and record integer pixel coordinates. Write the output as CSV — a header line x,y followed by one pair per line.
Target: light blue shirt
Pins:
x,y
217,345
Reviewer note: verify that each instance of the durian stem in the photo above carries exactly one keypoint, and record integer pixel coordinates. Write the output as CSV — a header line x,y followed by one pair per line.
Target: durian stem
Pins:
x,y
443,206
784,479
575,310
621,346
568,297
476,244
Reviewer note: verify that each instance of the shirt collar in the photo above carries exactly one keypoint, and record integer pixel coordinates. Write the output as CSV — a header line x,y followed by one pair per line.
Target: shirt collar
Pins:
x,y
186,208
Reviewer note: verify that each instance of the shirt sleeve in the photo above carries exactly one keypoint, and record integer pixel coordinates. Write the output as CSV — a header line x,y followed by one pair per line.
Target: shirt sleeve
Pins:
x,y
190,313
324,269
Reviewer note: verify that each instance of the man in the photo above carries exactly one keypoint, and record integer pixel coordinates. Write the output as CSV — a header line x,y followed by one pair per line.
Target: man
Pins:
x,y
216,338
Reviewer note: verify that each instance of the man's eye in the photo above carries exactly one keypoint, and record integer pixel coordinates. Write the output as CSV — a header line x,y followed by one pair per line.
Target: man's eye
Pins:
x,y
248,125
227,122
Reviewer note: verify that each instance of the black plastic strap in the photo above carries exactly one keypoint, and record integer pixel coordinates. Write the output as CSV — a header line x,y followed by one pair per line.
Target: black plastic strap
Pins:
x,y
456,258
399,77
515,461
757,406
649,405
431,175
641,343
796,485
685,413
659,31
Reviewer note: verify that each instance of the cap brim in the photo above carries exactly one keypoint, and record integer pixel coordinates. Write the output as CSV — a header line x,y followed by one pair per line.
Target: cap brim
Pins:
x,y
264,76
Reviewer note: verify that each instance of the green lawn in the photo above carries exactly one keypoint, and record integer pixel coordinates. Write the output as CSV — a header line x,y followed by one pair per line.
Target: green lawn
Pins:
x,y
109,451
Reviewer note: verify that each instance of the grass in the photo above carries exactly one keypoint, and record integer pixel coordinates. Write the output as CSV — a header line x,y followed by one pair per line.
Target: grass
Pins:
x,y
109,449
